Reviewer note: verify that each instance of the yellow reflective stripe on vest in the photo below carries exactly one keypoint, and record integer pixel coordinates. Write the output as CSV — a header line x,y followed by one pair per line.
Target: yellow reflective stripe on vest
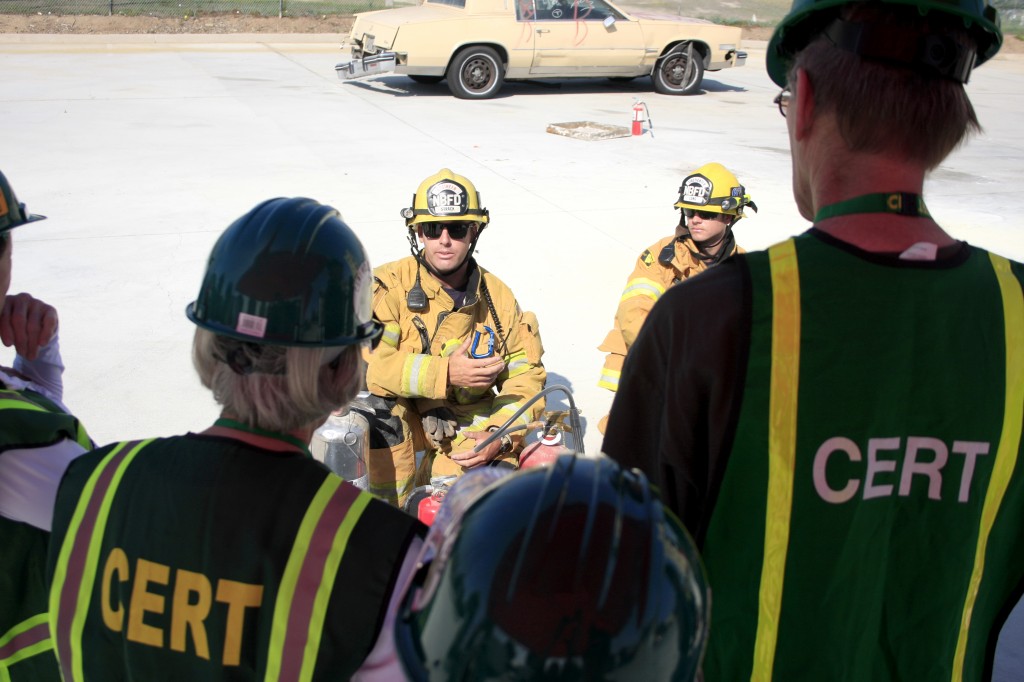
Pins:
x,y
414,374
27,638
1009,443
609,379
517,364
309,576
392,334
785,377
505,411
642,287
12,400
75,573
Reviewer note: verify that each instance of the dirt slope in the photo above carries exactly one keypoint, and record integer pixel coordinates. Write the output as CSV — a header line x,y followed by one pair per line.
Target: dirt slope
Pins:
x,y
245,23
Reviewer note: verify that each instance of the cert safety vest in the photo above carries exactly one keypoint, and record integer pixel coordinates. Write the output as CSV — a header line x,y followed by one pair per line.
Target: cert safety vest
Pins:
x,y
28,420
202,558
870,518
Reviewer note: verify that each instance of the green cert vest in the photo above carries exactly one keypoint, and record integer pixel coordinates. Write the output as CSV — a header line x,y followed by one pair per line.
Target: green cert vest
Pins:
x,y
870,519
203,558
28,420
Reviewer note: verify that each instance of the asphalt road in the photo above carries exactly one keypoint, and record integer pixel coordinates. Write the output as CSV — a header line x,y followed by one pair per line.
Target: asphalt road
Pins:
x,y
141,149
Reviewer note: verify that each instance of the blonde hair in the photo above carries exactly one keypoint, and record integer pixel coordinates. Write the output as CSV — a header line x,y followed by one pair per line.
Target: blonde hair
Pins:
x,y
279,388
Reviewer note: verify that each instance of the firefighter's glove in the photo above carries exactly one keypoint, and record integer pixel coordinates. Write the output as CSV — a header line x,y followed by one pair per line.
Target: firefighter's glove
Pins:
x,y
439,425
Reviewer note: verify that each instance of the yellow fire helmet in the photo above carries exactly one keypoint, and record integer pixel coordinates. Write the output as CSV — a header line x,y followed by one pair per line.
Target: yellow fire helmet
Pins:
x,y
713,188
443,197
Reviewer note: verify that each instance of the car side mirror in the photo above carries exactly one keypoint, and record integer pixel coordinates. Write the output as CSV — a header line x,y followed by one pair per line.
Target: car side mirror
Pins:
x,y
609,21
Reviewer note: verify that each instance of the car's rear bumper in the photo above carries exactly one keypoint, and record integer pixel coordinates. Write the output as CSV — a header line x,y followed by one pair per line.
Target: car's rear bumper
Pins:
x,y
370,65
733,58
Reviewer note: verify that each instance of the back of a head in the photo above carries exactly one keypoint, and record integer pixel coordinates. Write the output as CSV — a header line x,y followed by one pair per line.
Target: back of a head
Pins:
x,y
282,310
574,571
889,69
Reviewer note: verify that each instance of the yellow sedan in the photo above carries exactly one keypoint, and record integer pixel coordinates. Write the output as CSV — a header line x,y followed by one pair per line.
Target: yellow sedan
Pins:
x,y
476,45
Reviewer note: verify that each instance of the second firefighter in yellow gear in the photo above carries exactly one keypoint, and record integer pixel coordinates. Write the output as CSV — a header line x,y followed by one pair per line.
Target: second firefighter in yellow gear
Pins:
x,y
711,201
458,357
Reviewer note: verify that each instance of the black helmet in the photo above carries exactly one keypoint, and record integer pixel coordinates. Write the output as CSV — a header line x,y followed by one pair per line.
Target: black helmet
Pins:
x,y
289,272
809,18
12,213
574,571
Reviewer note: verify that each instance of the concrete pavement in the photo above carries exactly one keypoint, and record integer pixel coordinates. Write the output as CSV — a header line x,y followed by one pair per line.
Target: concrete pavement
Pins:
x,y
141,149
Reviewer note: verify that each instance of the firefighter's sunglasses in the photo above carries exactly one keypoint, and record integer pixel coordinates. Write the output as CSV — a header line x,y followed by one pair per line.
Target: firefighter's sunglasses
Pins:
x,y
457,229
704,215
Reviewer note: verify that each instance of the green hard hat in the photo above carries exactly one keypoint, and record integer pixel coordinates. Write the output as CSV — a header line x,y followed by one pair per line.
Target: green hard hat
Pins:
x,y
12,213
289,272
569,571
808,18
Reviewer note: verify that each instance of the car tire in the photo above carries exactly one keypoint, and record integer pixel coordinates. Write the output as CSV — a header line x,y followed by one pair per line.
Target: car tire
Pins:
x,y
426,80
476,73
676,73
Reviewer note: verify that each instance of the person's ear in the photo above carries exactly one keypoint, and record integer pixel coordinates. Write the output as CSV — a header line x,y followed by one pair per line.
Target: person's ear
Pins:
x,y
802,106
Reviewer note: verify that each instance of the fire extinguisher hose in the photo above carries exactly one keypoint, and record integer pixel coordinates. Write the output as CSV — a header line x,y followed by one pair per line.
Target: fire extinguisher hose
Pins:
x,y
574,419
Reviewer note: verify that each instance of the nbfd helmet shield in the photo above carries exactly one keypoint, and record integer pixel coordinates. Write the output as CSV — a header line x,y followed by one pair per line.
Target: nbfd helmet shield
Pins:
x,y
12,212
289,273
572,571
695,191
447,199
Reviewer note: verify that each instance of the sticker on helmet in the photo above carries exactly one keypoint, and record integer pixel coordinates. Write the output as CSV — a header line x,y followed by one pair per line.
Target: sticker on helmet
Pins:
x,y
251,325
362,302
736,191
696,190
447,198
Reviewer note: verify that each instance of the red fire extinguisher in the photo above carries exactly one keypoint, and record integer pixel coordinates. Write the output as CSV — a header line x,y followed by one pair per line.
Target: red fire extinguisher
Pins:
x,y
425,501
545,450
640,115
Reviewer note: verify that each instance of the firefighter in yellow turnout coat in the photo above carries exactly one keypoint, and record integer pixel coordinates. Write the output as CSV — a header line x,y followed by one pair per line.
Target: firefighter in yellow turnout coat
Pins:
x,y
458,358
711,200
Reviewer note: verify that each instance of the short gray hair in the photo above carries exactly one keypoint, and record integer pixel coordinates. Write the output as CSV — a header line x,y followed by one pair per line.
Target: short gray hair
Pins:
x,y
277,388
879,107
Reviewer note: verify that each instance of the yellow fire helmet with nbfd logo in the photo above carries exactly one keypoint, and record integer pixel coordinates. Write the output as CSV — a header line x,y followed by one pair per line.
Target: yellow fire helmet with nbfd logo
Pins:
x,y
713,188
443,197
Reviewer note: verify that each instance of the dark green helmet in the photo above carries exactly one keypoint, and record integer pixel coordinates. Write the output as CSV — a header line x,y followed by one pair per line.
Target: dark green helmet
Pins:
x,y
289,272
12,213
571,571
809,18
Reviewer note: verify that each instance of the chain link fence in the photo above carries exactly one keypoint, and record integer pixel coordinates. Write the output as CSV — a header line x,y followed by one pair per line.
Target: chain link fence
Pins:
x,y
267,8
748,12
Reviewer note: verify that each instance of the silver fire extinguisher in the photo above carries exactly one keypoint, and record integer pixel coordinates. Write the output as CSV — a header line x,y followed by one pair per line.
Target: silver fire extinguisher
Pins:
x,y
343,444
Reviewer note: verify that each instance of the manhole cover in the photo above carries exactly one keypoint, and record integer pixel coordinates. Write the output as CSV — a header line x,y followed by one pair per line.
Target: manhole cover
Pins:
x,y
588,130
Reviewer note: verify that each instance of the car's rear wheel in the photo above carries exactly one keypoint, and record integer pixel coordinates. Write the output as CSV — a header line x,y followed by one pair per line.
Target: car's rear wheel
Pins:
x,y
427,80
476,73
680,72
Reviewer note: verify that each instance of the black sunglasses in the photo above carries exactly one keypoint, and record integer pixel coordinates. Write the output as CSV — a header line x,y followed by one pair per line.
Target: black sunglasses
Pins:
x,y
782,99
704,215
457,229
